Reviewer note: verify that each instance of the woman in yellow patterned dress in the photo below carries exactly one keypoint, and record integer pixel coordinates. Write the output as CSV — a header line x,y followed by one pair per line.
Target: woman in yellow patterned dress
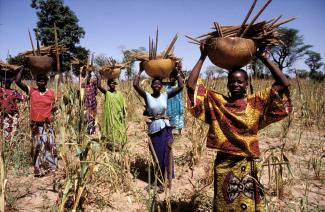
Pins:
x,y
234,123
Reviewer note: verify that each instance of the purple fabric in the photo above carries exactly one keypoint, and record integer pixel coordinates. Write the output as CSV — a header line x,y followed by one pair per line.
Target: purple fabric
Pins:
x,y
90,100
162,144
91,106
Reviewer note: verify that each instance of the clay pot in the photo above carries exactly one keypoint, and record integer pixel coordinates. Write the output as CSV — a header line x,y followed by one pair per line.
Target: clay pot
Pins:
x,y
111,73
39,64
159,68
230,52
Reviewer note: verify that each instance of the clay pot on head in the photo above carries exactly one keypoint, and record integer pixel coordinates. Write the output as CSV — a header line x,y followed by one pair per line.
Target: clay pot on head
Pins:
x,y
110,73
159,68
39,64
230,52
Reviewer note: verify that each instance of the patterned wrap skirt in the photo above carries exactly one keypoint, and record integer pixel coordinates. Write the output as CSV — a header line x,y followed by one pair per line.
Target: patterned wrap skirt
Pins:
x,y
44,151
8,125
90,118
236,185
177,120
162,143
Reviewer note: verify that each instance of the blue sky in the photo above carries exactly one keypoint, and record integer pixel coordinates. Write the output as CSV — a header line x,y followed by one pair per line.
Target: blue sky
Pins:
x,y
111,25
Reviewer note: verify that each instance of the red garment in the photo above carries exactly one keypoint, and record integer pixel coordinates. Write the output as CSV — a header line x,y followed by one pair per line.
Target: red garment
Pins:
x,y
41,105
8,100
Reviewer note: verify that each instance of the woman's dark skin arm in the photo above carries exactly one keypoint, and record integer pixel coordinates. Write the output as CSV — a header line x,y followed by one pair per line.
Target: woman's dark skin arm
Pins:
x,y
20,84
180,86
136,81
99,85
281,81
195,73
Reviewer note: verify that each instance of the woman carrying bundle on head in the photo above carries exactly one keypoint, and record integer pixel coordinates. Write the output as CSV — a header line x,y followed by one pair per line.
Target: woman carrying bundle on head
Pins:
x,y
42,106
114,126
9,114
234,123
159,128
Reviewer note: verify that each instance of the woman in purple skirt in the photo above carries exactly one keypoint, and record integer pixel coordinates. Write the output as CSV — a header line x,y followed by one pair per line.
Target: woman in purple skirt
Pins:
x,y
159,129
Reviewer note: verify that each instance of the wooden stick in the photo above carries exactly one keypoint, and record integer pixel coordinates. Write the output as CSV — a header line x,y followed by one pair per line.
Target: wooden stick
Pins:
x,y
149,48
58,68
170,47
31,42
37,45
193,39
156,46
283,22
273,22
246,18
254,19
194,42
207,34
153,50
217,26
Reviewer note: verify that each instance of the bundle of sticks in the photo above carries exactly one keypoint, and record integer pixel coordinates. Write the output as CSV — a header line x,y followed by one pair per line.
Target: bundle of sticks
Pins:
x,y
264,33
152,54
4,67
111,64
46,50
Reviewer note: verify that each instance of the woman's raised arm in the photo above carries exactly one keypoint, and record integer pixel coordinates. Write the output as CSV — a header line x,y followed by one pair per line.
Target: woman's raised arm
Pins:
x,y
136,81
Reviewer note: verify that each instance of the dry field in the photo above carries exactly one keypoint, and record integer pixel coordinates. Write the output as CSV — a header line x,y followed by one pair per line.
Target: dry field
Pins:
x,y
91,178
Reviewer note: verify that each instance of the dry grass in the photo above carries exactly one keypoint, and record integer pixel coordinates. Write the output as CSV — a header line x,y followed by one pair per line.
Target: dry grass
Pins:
x,y
91,177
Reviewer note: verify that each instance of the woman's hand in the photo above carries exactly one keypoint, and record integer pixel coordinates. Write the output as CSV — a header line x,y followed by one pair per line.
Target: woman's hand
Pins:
x,y
203,50
178,66
262,53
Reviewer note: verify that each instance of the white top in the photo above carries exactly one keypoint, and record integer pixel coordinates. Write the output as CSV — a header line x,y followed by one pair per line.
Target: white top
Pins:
x,y
155,107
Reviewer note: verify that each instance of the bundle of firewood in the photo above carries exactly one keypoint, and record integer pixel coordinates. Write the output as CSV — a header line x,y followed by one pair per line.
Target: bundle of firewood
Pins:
x,y
46,50
263,33
232,47
157,65
5,67
153,54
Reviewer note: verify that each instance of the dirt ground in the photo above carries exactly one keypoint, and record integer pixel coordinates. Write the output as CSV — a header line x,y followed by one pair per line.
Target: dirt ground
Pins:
x,y
192,188
297,184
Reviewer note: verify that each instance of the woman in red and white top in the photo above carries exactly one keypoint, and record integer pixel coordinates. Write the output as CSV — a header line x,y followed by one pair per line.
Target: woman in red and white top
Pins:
x,y
42,106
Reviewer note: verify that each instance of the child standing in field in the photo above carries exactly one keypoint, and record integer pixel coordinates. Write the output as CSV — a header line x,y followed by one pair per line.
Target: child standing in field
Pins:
x,y
42,101
234,122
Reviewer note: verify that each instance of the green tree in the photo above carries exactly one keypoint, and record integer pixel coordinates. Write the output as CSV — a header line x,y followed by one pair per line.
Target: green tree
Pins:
x,y
68,30
291,49
313,61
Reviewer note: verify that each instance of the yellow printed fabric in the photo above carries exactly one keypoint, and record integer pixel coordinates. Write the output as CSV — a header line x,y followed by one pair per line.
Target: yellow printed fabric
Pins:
x,y
234,124
236,187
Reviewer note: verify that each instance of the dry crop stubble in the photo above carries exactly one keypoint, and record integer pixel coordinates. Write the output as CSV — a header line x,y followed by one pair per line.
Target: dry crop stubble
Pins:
x,y
99,172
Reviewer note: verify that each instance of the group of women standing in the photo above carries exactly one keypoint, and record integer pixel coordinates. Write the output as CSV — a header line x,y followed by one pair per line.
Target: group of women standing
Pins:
x,y
233,120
